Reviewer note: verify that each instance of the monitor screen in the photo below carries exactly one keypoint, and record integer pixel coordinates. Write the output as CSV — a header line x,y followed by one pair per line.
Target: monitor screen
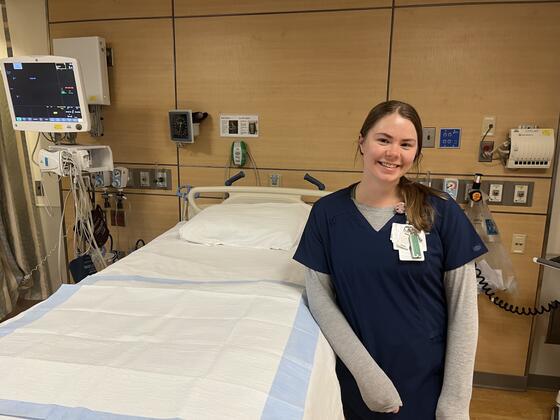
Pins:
x,y
45,94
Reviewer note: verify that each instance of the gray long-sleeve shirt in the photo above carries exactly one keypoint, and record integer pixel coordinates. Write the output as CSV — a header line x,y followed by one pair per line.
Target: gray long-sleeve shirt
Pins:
x,y
377,390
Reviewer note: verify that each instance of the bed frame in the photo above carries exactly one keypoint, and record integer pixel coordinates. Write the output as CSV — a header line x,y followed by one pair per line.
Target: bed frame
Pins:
x,y
237,195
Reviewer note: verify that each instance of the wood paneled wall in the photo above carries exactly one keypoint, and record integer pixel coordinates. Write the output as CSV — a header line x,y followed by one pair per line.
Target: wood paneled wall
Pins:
x,y
312,70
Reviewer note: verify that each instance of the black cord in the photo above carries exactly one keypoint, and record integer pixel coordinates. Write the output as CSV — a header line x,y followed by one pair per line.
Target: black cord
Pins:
x,y
138,242
554,304
111,238
490,127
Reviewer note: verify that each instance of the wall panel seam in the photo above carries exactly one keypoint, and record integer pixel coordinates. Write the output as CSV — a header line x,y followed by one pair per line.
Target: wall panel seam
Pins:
x,y
177,157
492,176
478,3
145,164
518,213
287,12
110,19
391,33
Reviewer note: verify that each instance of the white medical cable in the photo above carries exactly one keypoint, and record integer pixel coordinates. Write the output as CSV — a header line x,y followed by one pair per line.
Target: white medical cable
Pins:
x,y
82,207
227,169
60,236
257,176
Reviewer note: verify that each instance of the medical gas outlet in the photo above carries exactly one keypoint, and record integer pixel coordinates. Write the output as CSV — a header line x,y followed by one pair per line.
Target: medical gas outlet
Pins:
x,y
120,177
495,193
520,194
161,179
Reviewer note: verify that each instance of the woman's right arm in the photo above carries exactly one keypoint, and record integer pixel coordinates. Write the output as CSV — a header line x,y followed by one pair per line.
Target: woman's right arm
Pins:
x,y
377,390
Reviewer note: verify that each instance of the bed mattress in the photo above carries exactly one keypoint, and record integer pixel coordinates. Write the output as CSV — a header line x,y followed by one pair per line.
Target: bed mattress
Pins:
x,y
174,330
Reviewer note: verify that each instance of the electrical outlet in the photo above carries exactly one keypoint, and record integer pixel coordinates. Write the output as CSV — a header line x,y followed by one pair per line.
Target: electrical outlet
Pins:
x,y
39,191
275,180
485,151
520,193
486,122
428,137
144,179
495,193
518,243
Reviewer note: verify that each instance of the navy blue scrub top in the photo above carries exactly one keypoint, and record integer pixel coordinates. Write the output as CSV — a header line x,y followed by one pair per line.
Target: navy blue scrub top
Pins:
x,y
396,308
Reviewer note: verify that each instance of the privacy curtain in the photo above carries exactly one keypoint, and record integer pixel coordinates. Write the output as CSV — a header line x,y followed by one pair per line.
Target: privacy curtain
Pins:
x,y
21,241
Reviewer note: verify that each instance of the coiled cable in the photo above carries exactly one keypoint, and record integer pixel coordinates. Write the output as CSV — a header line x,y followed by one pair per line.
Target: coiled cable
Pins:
x,y
502,304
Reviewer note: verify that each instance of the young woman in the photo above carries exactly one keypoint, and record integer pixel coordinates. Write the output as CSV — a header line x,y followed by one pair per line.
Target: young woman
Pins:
x,y
391,281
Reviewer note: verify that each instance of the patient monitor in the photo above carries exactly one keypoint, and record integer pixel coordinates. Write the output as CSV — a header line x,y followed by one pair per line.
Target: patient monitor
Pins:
x,y
45,94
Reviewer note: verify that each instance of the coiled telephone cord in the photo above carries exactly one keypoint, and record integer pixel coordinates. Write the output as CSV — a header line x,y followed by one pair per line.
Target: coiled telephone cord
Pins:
x,y
502,304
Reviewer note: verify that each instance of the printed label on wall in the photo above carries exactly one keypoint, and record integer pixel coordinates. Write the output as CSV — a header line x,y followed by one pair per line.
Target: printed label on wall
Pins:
x,y
239,125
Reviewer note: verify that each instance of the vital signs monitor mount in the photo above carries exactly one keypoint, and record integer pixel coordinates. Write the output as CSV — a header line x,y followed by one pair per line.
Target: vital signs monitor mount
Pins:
x,y
45,94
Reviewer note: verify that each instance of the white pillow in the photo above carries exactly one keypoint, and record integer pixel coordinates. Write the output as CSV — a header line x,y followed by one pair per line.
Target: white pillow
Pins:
x,y
262,225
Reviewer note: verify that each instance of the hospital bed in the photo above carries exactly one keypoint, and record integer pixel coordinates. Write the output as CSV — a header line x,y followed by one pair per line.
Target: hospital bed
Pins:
x,y
181,329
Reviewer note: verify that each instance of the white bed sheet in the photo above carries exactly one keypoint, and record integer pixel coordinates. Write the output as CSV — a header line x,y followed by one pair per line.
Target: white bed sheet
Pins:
x,y
168,256
175,330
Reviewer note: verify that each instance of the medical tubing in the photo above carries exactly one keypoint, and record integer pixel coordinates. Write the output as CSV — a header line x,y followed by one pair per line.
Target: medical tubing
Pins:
x,y
314,181
508,307
234,178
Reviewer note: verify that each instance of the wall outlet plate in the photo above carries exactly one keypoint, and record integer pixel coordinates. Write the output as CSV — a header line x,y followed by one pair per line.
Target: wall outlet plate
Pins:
x,y
275,180
39,191
520,193
428,137
495,193
161,179
144,179
518,241
484,150
486,121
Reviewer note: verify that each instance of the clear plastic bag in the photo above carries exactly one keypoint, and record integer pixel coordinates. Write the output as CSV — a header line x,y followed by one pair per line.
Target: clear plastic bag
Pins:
x,y
496,266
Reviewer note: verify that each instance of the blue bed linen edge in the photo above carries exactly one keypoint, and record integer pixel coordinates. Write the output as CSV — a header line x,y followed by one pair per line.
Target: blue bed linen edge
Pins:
x,y
29,410
288,393
63,293
286,400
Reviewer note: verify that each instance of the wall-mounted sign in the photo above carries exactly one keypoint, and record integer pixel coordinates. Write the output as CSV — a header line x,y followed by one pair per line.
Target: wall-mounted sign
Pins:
x,y
239,125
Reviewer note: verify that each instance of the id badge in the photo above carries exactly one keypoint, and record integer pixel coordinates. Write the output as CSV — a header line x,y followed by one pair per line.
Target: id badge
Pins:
x,y
410,243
